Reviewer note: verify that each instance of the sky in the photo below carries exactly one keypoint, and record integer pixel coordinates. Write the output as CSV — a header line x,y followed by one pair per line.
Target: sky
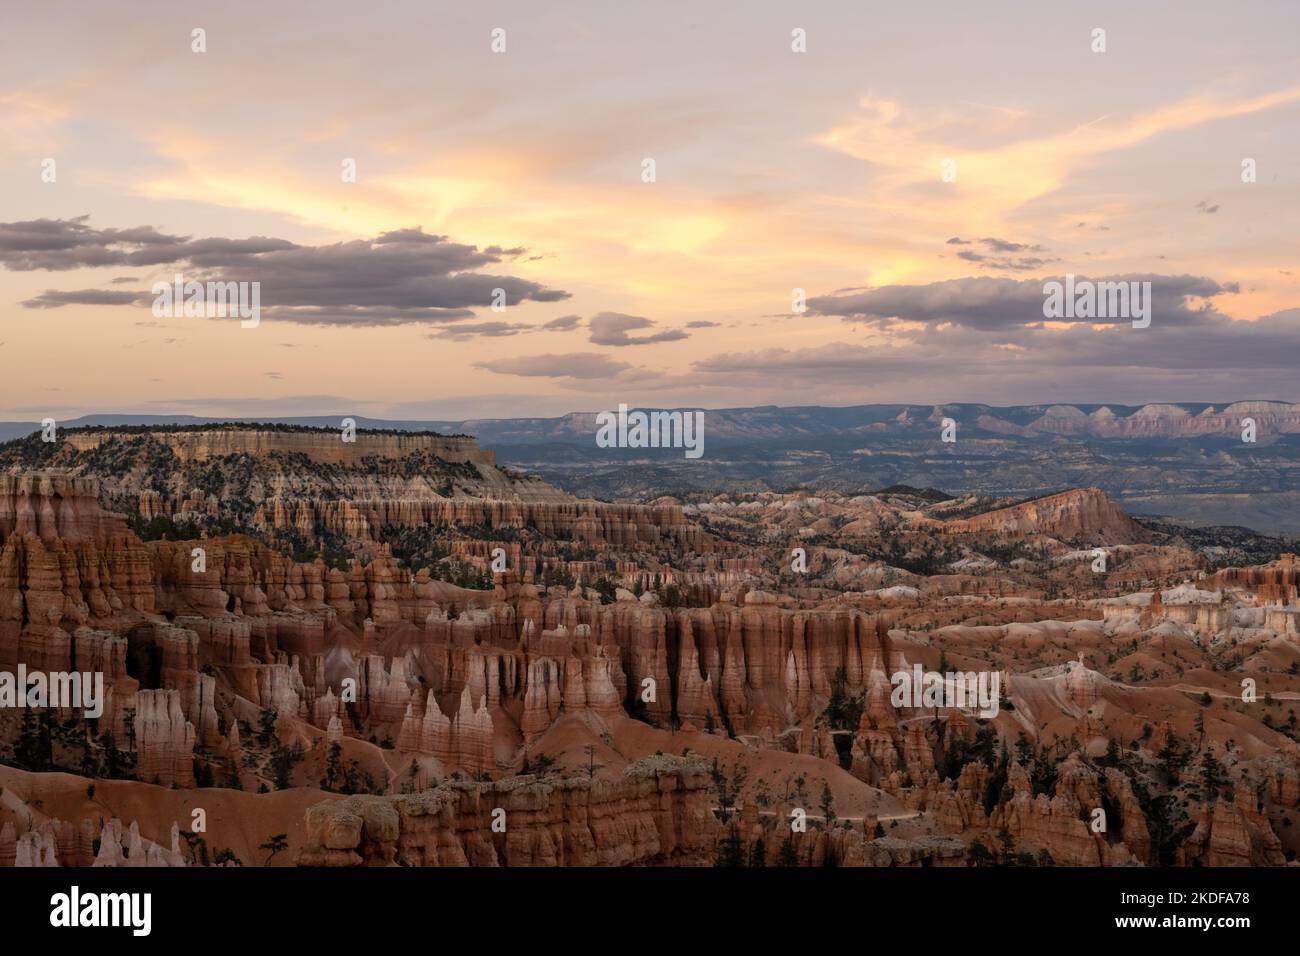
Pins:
x,y
872,218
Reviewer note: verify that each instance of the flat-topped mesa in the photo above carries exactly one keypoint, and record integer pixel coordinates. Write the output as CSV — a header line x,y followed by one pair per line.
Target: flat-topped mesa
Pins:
x,y
1079,512
310,481
322,446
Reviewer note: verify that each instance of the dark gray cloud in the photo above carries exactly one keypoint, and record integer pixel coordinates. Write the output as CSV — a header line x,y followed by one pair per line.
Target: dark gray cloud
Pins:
x,y
491,330
994,244
702,324
578,365
1002,254
60,244
56,298
362,315
612,328
1099,364
399,277
991,304
1005,263
985,339
564,323
607,328
1005,245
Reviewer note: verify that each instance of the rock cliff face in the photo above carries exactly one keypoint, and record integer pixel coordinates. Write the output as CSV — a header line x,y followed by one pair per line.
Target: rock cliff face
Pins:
x,y
63,562
272,626
589,523
754,665
165,739
57,842
849,845
54,507
309,484
657,813
1275,584
1233,833
1086,513
1063,824
316,445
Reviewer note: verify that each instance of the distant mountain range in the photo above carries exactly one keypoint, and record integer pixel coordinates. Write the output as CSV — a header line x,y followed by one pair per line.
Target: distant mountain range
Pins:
x,y
1184,461
771,422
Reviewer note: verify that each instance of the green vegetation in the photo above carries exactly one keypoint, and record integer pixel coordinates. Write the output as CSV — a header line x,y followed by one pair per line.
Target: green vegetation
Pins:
x,y
842,711
346,779
276,844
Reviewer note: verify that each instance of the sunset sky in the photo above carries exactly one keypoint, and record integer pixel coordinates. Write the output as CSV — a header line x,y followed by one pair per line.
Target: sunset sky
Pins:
x,y
775,170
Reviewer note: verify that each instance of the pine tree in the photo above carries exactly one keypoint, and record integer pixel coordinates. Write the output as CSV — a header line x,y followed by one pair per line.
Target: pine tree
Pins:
x,y
787,855
277,843
1113,756
731,849
1213,777
978,855
828,806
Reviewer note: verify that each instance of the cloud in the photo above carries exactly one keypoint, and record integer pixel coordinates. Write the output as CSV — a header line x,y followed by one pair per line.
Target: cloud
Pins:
x,y
399,277
1006,263
702,324
62,244
1003,255
988,303
564,323
483,329
578,365
1206,207
1005,245
363,315
612,328
1108,364
55,298
1011,162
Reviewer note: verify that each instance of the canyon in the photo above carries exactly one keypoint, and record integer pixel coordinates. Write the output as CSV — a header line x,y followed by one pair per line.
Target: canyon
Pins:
x,y
395,651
